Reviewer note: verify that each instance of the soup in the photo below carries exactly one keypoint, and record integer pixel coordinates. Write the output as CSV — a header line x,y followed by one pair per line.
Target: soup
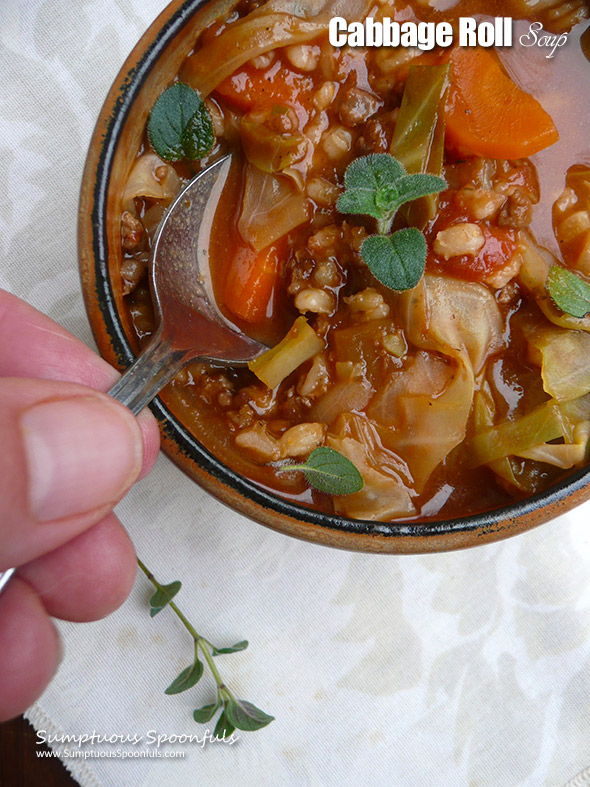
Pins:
x,y
453,386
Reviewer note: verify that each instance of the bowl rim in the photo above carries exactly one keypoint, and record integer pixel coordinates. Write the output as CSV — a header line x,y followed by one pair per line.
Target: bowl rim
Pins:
x,y
230,487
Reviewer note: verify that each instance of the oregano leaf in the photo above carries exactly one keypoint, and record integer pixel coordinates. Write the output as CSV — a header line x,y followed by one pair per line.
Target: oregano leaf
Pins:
x,y
187,678
368,182
397,260
412,187
360,201
231,649
569,291
198,137
179,125
223,728
245,716
206,713
373,171
377,185
329,471
163,596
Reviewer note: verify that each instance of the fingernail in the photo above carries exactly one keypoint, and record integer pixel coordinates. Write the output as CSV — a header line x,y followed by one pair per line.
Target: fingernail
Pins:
x,y
82,453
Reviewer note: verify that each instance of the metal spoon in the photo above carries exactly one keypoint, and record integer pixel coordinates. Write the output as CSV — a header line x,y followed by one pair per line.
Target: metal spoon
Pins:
x,y
190,325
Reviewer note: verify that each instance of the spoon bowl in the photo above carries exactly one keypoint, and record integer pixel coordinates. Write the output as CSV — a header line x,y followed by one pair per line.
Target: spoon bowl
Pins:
x,y
190,324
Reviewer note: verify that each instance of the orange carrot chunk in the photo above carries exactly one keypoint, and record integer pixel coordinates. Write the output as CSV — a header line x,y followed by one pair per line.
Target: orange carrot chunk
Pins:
x,y
251,282
251,87
488,115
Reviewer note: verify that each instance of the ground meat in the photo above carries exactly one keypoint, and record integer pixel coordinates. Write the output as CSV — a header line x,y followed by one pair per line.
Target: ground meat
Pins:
x,y
131,231
517,212
357,106
299,270
132,271
377,134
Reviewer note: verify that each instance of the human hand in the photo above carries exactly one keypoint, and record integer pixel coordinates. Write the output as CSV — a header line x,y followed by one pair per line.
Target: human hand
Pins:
x,y
68,454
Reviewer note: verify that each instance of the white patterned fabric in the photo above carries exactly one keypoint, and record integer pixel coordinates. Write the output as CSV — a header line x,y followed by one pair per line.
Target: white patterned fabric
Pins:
x,y
469,668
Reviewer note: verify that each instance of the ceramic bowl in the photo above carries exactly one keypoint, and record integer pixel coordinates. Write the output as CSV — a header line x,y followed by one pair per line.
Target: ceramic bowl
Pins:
x,y
144,75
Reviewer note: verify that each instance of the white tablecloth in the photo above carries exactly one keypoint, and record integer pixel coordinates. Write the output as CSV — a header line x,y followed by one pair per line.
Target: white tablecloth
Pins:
x,y
469,668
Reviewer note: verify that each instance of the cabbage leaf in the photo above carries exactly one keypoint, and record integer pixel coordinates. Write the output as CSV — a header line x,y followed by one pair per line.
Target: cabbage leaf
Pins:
x,y
143,181
565,365
276,24
385,494
271,207
419,135
461,320
299,345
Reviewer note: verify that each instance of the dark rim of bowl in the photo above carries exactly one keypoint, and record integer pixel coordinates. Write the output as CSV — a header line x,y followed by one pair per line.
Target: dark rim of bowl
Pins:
x,y
486,522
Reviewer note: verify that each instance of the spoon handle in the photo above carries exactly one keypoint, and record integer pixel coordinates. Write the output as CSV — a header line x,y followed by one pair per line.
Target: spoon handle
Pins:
x,y
5,576
144,380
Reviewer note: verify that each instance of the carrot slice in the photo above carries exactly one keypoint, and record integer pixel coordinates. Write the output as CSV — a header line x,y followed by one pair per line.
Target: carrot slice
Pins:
x,y
251,281
488,114
249,87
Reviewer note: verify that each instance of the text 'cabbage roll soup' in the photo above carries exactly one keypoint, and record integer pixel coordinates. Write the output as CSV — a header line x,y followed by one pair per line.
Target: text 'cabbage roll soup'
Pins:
x,y
408,230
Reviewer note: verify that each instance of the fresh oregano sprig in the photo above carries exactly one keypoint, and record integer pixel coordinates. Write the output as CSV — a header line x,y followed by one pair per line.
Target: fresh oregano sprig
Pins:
x,y
377,185
568,291
180,126
235,713
329,471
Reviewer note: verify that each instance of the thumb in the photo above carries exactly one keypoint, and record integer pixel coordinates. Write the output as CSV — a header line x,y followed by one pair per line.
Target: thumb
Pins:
x,y
68,454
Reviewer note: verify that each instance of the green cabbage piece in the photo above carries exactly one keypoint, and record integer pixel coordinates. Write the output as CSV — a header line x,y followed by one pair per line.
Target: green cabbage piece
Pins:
x,y
419,136
385,494
462,321
268,150
271,207
565,364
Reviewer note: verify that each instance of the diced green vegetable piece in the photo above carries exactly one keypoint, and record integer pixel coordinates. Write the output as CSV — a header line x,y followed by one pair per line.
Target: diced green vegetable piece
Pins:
x,y
298,346
543,424
418,139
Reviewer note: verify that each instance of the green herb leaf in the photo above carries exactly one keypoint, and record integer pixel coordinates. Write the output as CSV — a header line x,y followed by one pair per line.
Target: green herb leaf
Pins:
x,y
206,713
377,185
328,471
569,291
163,596
223,728
187,678
198,136
179,126
413,187
191,675
245,716
232,649
368,181
397,260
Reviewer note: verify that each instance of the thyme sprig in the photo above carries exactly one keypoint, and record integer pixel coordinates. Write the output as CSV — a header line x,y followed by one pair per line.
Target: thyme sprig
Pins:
x,y
235,713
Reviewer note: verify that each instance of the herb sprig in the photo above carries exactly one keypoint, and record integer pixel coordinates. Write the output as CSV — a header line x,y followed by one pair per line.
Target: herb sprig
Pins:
x,y
235,713
329,471
568,291
378,185
180,126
